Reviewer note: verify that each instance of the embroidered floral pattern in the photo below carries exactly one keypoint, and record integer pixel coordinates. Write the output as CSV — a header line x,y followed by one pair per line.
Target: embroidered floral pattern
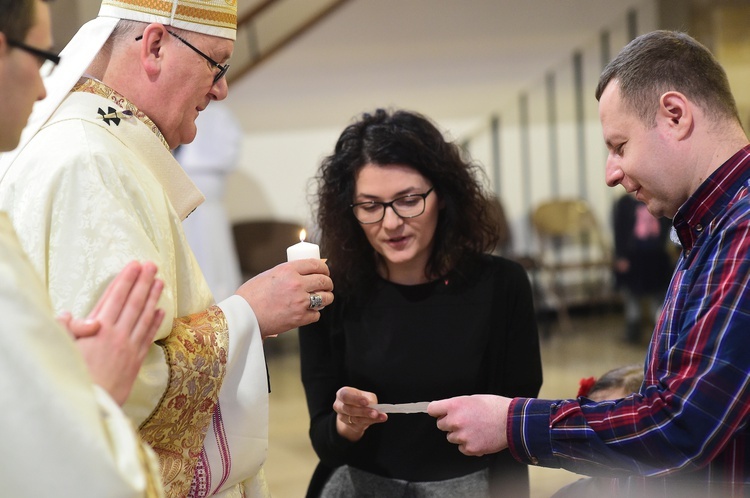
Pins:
x,y
154,487
202,478
90,85
202,485
196,352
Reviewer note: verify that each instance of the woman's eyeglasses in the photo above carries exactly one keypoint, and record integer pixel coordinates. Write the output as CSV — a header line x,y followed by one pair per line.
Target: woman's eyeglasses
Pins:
x,y
408,206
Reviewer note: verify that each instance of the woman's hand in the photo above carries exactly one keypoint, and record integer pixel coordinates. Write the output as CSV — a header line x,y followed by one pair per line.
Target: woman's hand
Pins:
x,y
353,413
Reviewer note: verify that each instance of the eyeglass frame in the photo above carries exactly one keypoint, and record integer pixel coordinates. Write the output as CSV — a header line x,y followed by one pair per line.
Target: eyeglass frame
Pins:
x,y
387,205
38,52
223,68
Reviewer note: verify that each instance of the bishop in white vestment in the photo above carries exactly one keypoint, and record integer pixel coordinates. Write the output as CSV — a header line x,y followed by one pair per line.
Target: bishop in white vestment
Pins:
x,y
94,186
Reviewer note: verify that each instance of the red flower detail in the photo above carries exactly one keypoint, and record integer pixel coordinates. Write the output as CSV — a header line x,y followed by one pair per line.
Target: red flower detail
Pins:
x,y
207,405
189,346
179,401
585,385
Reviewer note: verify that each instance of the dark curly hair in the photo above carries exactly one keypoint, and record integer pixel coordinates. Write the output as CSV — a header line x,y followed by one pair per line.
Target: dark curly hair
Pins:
x,y
466,226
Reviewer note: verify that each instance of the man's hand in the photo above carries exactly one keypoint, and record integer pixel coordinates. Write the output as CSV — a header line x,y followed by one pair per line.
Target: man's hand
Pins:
x,y
280,297
477,424
117,334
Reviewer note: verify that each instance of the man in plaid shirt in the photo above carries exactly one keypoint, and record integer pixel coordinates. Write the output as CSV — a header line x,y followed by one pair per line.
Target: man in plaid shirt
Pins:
x,y
675,141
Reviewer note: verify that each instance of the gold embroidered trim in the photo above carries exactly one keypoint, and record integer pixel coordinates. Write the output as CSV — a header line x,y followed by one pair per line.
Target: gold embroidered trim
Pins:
x,y
221,14
226,19
151,6
89,85
196,352
154,488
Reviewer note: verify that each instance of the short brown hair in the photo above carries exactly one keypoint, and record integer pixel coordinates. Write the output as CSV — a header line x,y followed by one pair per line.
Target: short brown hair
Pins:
x,y
16,18
661,61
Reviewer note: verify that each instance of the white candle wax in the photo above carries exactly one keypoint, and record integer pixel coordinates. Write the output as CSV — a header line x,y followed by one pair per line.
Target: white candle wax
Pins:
x,y
303,250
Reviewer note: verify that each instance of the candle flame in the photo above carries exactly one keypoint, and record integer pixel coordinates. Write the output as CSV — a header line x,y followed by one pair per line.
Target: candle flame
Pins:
x,y
302,235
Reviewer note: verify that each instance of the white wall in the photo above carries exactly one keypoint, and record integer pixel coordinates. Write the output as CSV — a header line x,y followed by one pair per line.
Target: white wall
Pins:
x,y
274,174
520,188
274,180
275,177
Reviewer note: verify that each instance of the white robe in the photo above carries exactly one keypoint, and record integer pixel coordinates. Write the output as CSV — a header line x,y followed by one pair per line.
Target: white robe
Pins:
x,y
61,434
87,196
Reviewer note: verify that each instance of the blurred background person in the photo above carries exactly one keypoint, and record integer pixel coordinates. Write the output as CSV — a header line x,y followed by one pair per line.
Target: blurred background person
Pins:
x,y
643,265
209,160
613,384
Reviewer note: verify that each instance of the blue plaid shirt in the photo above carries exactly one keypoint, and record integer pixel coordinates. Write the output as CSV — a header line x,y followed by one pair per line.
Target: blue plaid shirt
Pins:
x,y
685,433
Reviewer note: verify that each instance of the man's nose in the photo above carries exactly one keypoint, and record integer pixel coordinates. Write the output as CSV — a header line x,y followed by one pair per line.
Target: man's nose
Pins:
x,y
613,173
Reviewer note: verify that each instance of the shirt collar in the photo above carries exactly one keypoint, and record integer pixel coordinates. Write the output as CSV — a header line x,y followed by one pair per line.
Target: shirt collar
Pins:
x,y
712,197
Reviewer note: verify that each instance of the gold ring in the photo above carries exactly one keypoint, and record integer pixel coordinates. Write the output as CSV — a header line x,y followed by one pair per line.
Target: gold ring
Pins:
x,y
350,420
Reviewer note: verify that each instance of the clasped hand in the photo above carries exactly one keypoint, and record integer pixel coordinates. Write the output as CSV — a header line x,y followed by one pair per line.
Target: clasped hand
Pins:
x,y
117,334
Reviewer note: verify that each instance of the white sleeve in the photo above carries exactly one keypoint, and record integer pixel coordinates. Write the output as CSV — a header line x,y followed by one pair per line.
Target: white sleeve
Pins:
x,y
61,436
237,440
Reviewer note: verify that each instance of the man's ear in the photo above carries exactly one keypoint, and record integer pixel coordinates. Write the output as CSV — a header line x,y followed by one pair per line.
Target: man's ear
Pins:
x,y
152,46
675,110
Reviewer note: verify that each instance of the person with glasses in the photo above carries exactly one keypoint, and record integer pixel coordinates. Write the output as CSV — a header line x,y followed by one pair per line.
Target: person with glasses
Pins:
x,y
62,380
422,313
94,185
21,63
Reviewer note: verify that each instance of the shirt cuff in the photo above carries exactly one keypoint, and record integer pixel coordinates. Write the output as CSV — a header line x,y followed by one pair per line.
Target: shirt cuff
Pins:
x,y
241,322
528,431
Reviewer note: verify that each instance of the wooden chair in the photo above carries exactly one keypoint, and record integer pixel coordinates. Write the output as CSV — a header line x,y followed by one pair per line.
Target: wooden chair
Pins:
x,y
574,260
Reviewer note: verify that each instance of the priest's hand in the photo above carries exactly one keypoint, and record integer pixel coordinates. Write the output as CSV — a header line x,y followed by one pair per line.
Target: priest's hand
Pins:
x,y
282,297
353,416
117,334
477,424
78,327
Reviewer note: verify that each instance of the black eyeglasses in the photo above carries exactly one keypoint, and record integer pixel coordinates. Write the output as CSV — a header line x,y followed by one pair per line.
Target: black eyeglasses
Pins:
x,y
42,55
408,206
223,68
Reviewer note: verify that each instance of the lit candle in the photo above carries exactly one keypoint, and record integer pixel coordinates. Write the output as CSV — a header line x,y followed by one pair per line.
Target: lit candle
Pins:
x,y
303,250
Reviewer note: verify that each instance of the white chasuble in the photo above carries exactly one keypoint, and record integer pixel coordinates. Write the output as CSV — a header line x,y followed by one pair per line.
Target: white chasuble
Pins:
x,y
62,435
91,192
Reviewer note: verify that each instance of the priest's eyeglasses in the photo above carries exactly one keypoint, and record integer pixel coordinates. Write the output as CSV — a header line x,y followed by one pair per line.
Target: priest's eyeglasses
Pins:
x,y
408,206
223,68
43,56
